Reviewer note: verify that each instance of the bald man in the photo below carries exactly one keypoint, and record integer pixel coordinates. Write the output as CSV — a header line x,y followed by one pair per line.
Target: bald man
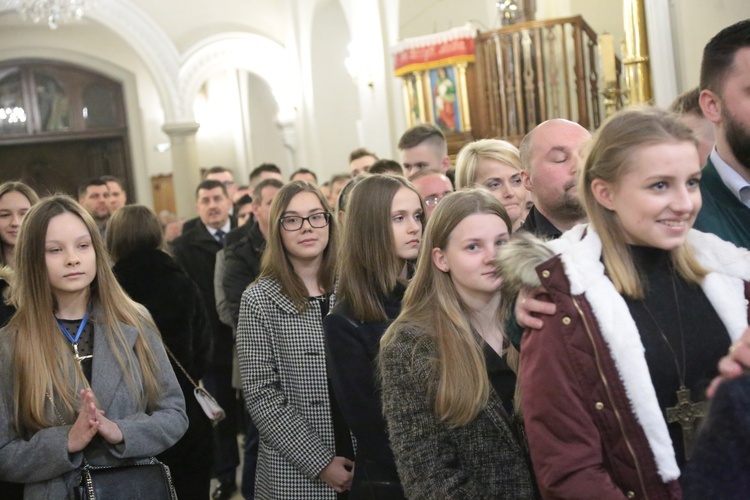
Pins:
x,y
551,157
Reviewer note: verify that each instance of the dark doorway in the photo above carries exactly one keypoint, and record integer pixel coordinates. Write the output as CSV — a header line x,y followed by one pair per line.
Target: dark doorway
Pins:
x,y
62,166
60,125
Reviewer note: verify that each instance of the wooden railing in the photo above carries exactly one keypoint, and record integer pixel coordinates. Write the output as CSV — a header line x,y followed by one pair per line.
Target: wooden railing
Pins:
x,y
531,72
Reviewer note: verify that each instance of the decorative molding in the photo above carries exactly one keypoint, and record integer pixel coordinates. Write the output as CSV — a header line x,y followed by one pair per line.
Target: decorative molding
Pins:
x,y
149,41
180,130
245,51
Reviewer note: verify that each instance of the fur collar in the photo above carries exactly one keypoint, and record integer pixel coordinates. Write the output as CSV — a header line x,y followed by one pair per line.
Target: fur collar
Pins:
x,y
580,251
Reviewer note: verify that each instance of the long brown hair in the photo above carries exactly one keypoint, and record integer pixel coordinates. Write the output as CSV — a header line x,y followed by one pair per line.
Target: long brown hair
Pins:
x,y
275,262
42,360
133,228
368,265
458,380
18,187
609,158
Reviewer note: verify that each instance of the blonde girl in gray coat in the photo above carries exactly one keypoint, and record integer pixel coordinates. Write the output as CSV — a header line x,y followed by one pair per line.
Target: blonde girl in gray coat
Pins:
x,y
83,368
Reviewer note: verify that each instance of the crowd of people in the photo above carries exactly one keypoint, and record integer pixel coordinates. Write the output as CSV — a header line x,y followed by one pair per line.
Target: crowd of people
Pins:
x,y
555,326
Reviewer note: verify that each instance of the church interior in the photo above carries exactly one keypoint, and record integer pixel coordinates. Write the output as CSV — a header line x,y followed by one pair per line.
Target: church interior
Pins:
x,y
153,92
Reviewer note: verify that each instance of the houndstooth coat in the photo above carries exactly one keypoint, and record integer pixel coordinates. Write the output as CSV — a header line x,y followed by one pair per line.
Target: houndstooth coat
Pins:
x,y
283,368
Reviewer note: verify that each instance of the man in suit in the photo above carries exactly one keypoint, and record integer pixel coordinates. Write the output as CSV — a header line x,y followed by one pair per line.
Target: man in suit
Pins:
x,y
224,176
196,252
724,99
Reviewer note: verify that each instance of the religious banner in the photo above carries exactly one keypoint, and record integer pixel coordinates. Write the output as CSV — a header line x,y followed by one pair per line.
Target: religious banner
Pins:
x,y
433,70
434,51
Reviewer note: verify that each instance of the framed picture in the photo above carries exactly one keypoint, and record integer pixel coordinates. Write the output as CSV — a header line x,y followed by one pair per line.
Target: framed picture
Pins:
x,y
413,100
444,95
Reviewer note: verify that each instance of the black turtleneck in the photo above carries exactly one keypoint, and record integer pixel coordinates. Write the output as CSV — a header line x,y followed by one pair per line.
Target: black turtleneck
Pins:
x,y
702,333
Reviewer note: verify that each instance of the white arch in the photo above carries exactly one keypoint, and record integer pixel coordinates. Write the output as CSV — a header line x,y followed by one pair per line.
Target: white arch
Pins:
x,y
246,51
151,43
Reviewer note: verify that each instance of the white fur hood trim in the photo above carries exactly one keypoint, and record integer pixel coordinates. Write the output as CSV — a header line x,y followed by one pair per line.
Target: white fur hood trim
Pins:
x,y
724,287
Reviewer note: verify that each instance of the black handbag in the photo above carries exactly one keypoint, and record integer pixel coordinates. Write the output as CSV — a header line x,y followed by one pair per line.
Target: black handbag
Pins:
x,y
146,480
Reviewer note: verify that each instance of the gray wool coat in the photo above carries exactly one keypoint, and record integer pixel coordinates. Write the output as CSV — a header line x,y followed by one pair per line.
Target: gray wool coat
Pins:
x,y
480,460
42,460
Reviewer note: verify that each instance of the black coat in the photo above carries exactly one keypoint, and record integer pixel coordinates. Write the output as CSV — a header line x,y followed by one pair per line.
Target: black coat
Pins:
x,y
196,252
153,279
352,348
10,491
539,225
6,311
720,462
242,256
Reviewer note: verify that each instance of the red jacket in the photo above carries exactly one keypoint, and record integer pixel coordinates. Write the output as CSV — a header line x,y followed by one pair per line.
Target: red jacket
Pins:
x,y
594,425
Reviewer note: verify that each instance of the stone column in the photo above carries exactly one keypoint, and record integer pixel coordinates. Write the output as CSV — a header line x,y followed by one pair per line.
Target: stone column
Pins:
x,y
185,168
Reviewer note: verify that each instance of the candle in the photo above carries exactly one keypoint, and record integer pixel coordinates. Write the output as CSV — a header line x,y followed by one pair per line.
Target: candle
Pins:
x,y
607,53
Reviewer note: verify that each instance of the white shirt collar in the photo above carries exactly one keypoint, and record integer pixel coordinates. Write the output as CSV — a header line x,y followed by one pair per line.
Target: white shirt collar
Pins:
x,y
226,227
732,180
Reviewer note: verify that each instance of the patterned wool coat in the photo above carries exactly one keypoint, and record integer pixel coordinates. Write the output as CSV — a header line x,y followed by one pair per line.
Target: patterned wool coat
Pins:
x,y
480,460
282,362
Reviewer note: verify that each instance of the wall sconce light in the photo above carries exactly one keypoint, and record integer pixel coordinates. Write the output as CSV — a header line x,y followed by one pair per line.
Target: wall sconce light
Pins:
x,y
358,64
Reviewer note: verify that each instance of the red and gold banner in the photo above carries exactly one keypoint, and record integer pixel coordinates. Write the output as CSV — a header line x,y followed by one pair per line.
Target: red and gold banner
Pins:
x,y
434,51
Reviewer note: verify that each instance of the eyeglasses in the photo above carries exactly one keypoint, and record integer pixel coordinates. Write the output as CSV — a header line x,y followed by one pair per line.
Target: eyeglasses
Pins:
x,y
295,222
433,200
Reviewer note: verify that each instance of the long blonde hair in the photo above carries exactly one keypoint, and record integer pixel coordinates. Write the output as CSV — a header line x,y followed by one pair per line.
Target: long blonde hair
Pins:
x,y
368,265
458,376
42,360
609,158
275,262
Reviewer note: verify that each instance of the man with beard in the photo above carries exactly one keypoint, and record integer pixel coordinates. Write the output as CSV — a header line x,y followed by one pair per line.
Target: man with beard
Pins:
x,y
550,157
725,101
93,195
196,252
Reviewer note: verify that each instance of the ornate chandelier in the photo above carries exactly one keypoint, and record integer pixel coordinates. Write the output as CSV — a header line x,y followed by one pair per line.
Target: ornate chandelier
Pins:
x,y
53,12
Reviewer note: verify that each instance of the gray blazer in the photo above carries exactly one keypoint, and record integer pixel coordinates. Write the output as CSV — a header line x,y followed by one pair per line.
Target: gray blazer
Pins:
x,y
42,460
283,366
436,461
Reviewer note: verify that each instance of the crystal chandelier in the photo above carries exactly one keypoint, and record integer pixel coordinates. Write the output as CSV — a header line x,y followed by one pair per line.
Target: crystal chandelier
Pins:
x,y
53,12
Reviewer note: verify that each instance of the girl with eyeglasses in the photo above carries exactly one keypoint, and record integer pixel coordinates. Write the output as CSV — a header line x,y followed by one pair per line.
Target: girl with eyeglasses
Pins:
x,y
494,165
305,447
382,232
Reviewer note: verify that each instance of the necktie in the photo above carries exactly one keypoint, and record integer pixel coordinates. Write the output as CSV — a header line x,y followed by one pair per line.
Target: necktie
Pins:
x,y
219,235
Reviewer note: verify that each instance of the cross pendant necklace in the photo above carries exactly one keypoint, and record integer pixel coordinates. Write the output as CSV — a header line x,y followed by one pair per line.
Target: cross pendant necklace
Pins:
x,y
74,340
80,358
685,413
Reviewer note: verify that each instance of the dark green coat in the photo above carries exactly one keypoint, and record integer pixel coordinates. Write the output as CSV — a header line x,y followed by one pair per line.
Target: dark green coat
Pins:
x,y
722,213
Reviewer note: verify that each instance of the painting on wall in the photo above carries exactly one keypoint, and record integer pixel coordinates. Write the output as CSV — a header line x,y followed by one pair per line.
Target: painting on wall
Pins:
x,y
445,107
433,70
415,113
